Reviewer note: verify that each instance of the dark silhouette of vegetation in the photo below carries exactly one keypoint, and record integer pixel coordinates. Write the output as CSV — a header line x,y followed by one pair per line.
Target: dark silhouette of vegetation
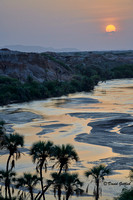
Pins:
x,y
7,178
40,152
72,185
57,184
84,79
63,183
125,71
11,143
64,155
126,194
27,181
2,124
98,173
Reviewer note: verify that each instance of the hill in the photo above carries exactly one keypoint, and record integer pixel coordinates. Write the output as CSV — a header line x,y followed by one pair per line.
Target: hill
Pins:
x,y
29,76
62,66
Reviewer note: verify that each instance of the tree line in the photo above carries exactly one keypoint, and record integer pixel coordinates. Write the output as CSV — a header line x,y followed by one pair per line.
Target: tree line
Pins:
x,y
84,79
33,186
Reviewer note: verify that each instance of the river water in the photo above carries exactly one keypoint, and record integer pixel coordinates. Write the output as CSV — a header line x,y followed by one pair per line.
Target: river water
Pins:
x,y
99,125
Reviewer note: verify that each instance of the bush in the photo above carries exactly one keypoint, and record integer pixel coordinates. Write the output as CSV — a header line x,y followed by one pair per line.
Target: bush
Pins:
x,y
124,71
127,194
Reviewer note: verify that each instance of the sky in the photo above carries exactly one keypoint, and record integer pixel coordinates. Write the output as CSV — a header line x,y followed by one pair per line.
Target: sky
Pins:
x,y
77,24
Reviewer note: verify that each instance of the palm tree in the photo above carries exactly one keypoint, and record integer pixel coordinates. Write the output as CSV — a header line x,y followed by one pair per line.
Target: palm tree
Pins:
x,y
58,183
40,152
7,178
64,155
28,181
11,143
72,184
98,173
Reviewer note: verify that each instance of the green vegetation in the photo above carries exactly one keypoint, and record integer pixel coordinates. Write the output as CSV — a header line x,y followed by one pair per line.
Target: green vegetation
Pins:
x,y
12,90
126,194
64,155
98,173
40,153
55,60
6,179
11,143
27,181
69,182
46,155
34,186
125,71
84,79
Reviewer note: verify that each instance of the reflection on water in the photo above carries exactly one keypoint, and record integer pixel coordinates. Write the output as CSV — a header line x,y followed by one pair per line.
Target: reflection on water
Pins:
x,y
58,125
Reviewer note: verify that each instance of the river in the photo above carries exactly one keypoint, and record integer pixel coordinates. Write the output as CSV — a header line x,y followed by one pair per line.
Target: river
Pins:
x,y
99,124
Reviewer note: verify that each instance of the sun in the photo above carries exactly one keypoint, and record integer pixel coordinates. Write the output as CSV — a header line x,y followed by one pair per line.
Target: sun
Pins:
x,y
110,28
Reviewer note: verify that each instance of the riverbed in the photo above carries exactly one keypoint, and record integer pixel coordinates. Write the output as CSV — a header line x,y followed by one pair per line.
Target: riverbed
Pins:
x,y
99,124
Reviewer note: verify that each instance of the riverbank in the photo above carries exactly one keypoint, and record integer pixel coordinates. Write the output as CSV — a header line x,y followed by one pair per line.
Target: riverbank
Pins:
x,y
63,119
30,76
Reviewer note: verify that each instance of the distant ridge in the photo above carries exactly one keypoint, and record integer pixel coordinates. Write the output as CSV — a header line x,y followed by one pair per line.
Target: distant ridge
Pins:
x,y
38,49
61,66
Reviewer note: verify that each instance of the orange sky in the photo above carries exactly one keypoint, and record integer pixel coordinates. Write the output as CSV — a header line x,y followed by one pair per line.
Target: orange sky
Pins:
x,y
67,23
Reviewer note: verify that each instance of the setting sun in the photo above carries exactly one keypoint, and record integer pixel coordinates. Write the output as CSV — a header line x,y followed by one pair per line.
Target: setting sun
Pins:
x,y
110,28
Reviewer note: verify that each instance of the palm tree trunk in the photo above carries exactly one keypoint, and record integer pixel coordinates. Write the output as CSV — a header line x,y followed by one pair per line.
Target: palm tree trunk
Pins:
x,y
7,185
31,193
59,193
7,165
67,196
44,190
61,167
97,189
9,192
41,177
